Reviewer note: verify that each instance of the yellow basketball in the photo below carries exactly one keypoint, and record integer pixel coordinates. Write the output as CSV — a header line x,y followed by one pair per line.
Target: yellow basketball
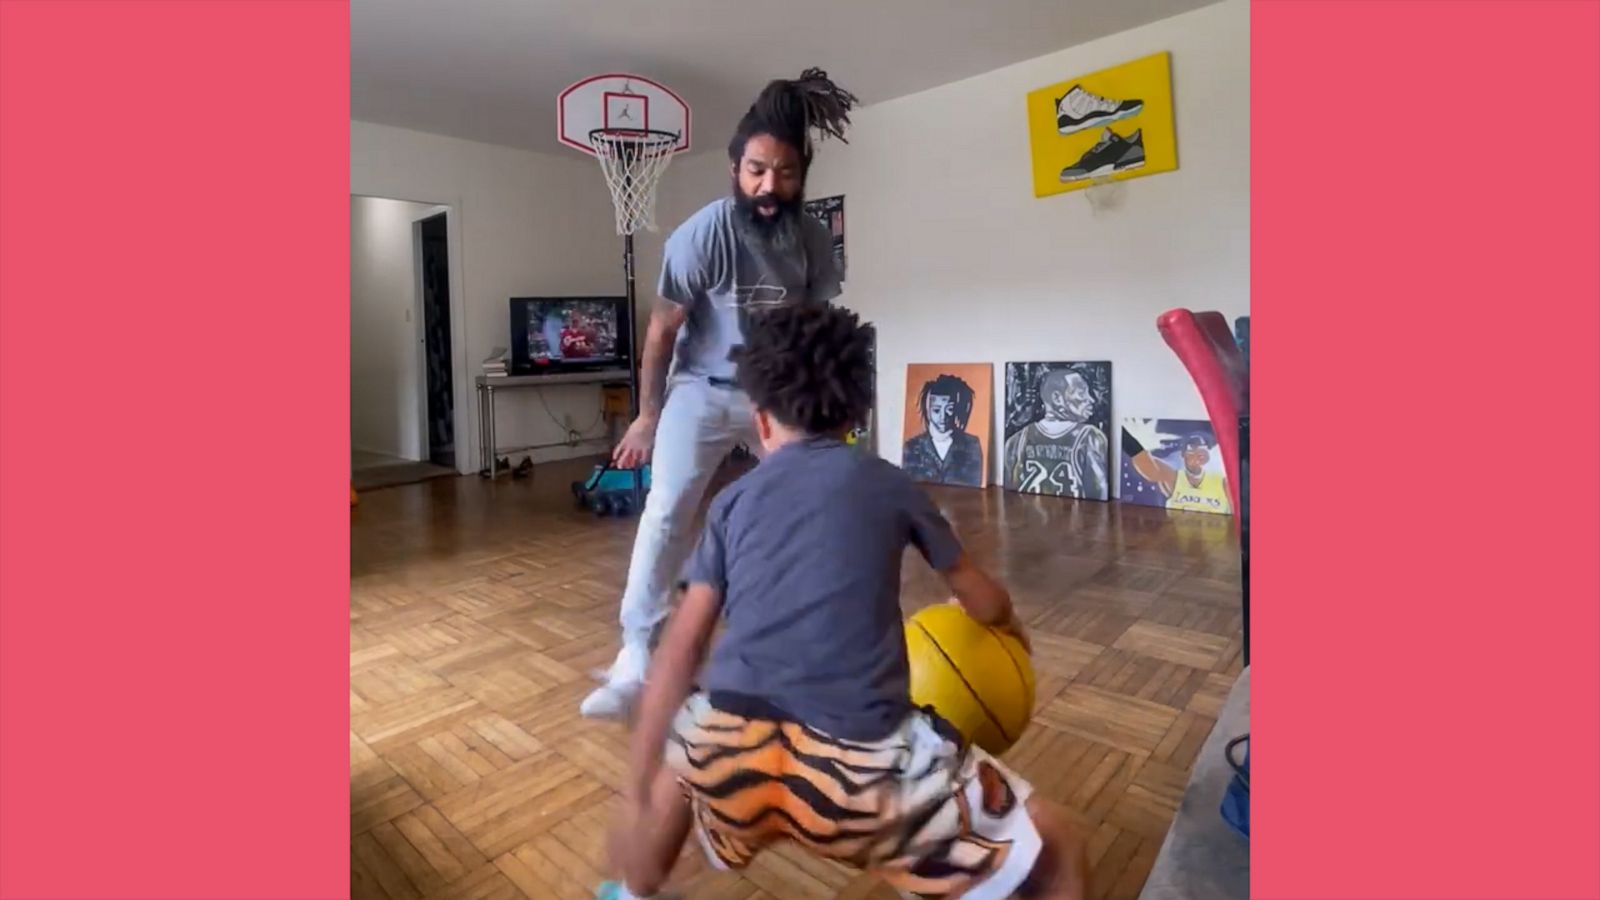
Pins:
x,y
977,678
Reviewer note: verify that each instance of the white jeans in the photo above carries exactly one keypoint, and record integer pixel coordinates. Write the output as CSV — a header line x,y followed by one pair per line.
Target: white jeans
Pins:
x,y
700,424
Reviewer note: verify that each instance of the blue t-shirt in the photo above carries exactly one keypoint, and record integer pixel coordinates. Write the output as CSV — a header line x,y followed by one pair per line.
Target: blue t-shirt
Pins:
x,y
805,551
718,268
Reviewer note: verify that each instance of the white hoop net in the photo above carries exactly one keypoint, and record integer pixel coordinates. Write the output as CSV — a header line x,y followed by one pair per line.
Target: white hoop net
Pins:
x,y
1104,194
633,162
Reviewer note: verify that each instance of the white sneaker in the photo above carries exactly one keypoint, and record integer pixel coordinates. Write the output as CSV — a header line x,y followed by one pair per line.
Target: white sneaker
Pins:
x,y
623,682
611,701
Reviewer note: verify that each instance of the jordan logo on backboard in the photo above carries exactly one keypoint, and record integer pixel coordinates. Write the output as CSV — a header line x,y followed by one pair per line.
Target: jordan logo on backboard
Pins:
x,y
642,112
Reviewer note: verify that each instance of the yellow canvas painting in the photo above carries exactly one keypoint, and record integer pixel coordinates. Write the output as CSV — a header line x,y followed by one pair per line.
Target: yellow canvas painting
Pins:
x,y
1115,123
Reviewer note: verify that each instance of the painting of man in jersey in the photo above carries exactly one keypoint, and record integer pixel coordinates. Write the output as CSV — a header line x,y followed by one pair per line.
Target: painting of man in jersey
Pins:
x,y
947,416
1173,463
1057,418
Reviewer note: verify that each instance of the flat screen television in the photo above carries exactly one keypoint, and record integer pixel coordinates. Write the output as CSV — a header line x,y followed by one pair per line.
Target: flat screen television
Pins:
x,y
569,334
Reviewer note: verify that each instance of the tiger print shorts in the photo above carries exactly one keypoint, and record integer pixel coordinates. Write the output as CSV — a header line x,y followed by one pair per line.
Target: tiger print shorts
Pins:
x,y
929,816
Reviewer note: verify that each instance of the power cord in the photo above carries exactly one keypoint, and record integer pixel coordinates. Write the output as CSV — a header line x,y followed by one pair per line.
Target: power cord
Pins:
x,y
574,436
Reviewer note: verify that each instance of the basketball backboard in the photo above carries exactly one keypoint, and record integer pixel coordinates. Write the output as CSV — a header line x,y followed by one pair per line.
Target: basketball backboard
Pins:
x,y
619,102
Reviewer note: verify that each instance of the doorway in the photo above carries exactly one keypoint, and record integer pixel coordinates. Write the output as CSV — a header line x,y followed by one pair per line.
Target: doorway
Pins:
x,y
404,342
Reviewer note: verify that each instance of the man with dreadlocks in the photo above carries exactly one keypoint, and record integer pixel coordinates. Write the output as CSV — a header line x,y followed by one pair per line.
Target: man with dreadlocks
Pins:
x,y
752,250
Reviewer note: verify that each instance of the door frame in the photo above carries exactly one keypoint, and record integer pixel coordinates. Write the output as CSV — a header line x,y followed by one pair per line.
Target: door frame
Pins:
x,y
460,386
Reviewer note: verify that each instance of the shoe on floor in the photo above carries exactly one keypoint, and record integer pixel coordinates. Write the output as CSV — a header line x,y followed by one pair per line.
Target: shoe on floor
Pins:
x,y
612,700
623,682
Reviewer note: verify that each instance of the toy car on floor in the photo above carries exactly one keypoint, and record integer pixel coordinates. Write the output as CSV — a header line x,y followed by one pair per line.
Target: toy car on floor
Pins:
x,y
610,491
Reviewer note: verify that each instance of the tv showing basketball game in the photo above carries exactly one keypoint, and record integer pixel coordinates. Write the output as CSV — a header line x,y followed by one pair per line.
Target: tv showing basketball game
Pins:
x,y
565,333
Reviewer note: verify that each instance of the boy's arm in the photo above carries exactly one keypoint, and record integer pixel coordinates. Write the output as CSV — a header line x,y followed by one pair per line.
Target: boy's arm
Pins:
x,y
682,648
672,671
983,598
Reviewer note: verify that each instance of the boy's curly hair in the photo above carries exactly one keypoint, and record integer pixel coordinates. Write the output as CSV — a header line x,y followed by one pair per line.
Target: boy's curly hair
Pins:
x,y
810,366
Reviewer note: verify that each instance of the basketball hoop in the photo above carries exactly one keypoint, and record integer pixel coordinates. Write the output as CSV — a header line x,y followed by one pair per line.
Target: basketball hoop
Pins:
x,y
633,162
633,126
1104,194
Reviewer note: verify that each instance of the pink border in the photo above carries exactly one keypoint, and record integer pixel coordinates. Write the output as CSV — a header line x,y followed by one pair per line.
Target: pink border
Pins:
x,y
173,620
561,121
1425,356
174,449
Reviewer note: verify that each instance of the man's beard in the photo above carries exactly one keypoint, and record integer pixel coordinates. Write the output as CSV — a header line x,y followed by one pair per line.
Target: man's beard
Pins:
x,y
779,230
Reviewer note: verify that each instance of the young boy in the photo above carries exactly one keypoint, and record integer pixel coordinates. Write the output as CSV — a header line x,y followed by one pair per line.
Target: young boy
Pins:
x,y
802,728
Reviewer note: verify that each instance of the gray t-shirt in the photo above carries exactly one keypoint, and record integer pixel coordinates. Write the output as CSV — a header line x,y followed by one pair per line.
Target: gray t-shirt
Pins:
x,y
806,552
716,268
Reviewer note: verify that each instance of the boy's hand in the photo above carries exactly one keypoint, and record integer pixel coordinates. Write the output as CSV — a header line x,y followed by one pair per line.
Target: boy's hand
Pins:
x,y
671,677
1012,626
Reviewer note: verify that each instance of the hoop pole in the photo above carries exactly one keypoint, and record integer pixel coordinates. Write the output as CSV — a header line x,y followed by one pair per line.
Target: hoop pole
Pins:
x,y
633,360
633,345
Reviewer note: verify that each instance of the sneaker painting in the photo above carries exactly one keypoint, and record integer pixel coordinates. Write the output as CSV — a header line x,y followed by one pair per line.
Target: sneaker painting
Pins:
x,y
1090,126
1111,154
1078,109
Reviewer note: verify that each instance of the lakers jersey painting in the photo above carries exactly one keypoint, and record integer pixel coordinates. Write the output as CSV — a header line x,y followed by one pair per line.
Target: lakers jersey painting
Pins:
x,y
1210,495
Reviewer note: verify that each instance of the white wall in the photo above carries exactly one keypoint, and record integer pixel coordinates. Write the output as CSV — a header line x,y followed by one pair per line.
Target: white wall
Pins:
x,y
693,180
955,260
384,369
521,224
950,253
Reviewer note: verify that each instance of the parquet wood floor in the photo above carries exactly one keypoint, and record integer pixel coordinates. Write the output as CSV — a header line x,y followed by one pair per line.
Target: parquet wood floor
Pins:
x,y
478,610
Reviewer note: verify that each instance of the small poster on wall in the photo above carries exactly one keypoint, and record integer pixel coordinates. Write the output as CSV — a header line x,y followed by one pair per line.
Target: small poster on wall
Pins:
x,y
1113,124
830,212
864,436
949,408
1058,416
1173,463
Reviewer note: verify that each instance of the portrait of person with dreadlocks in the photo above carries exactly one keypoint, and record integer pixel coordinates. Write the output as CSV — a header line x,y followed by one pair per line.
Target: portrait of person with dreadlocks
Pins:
x,y
752,250
944,451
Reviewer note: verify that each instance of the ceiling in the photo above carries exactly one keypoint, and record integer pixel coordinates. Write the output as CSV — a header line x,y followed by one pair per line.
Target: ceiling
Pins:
x,y
489,70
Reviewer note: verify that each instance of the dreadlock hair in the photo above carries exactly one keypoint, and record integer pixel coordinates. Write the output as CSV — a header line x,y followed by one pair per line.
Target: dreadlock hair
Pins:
x,y
791,110
959,392
809,366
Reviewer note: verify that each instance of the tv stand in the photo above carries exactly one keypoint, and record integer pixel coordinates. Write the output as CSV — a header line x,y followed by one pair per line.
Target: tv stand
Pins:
x,y
488,386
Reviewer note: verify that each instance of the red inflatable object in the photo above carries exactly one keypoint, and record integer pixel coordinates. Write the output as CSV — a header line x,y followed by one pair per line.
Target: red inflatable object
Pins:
x,y
1207,348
